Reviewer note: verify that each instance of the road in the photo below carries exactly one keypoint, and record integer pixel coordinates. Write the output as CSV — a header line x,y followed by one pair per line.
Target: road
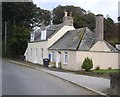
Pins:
x,y
19,80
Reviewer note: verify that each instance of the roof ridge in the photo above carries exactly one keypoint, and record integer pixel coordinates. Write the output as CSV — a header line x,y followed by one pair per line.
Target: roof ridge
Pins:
x,y
81,40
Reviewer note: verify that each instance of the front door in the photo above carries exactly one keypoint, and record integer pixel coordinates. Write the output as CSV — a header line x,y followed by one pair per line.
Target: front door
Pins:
x,y
49,56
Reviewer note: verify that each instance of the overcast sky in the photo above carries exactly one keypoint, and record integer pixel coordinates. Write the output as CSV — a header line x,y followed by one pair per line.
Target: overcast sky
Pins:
x,y
105,7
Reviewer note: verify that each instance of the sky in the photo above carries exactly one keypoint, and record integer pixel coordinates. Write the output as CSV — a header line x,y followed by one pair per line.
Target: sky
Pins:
x,y
105,7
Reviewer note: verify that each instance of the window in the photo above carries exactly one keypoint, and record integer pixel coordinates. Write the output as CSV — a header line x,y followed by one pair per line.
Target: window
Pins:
x,y
31,52
66,58
32,36
43,35
36,52
41,53
53,56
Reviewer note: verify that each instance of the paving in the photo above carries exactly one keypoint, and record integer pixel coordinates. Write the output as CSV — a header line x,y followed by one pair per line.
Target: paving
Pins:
x,y
95,84
92,83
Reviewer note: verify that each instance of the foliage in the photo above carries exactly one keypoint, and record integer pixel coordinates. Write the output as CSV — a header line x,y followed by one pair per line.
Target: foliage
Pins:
x,y
81,19
87,64
109,68
20,17
18,43
97,68
24,13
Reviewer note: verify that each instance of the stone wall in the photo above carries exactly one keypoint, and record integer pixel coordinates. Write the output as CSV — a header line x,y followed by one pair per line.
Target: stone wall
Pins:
x,y
114,84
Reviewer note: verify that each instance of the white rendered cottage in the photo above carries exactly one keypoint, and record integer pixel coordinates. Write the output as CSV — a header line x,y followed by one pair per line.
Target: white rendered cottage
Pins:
x,y
68,47
42,39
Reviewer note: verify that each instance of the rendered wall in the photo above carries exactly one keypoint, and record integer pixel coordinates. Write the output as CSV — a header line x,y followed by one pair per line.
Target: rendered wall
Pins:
x,y
34,58
102,59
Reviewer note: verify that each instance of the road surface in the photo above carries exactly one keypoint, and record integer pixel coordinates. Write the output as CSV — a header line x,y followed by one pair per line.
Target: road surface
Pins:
x,y
19,80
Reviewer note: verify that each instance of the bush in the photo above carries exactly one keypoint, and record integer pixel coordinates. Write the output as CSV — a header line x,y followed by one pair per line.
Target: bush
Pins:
x,y
97,68
87,64
109,68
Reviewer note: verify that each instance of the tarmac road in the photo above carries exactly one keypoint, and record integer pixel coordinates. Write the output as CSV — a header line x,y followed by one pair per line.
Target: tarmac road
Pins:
x,y
19,80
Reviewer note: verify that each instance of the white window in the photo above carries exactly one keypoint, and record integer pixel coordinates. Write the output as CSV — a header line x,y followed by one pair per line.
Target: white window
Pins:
x,y
32,36
53,56
65,57
41,53
36,52
31,52
43,35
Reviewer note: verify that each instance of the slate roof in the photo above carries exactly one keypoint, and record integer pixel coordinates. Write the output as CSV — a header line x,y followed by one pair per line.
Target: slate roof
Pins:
x,y
78,39
51,30
112,49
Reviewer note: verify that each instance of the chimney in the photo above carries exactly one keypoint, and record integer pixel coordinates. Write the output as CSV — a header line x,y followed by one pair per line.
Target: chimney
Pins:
x,y
66,14
68,20
100,27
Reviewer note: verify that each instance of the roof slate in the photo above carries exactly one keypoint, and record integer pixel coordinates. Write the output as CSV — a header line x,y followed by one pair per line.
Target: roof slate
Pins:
x,y
112,49
88,40
51,30
78,39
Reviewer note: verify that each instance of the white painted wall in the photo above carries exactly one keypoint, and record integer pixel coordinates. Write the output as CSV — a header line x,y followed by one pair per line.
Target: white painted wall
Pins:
x,y
34,58
102,59
71,65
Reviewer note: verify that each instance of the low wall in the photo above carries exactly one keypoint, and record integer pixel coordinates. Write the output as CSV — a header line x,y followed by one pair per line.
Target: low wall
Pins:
x,y
115,84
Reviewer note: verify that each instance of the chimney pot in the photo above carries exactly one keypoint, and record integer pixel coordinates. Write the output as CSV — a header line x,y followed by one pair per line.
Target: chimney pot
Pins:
x,y
66,13
68,20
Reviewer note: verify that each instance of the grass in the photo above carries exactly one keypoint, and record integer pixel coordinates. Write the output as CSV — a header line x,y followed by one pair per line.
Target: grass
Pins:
x,y
107,71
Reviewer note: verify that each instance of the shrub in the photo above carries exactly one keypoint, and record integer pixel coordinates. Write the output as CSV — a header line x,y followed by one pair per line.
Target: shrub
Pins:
x,y
87,64
97,68
109,68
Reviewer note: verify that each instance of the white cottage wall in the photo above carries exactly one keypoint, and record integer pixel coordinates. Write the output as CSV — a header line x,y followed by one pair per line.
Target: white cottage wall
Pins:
x,y
102,59
36,58
71,64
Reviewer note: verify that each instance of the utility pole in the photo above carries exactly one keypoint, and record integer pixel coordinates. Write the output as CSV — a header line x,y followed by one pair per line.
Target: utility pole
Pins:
x,y
5,35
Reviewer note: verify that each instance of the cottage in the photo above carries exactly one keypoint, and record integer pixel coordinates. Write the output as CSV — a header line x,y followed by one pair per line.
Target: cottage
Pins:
x,y
67,47
42,39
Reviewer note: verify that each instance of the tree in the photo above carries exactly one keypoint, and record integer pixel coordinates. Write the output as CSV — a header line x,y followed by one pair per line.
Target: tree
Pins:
x,y
18,43
21,18
81,19
87,64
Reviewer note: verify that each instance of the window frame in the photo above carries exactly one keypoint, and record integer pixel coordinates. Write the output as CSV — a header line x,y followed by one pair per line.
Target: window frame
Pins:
x,y
36,51
53,56
65,57
41,53
31,52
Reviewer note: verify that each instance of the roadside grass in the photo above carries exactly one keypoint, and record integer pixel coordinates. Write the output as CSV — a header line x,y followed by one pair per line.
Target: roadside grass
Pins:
x,y
107,71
